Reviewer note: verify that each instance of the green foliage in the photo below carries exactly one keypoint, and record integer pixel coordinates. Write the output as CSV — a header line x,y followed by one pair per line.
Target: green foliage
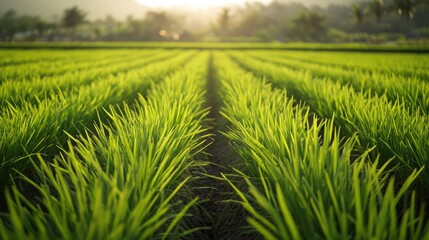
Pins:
x,y
283,21
376,8
125,180
40,128
73,17
11,23
405,8
359,12
108,144
21,85
224,21
309,26
389,126
397,83
304,182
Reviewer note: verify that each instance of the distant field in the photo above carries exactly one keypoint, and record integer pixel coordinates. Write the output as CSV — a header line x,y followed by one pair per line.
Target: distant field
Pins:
x,y
213,141
221,46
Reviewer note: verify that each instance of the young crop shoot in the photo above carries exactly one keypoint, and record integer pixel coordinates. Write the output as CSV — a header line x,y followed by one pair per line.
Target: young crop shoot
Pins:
x,y
213,140
37,88
303,181
40,129
379,123
411,91
126,179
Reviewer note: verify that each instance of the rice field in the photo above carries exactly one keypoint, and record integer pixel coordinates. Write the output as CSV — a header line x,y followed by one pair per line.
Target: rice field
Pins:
x,y
213,143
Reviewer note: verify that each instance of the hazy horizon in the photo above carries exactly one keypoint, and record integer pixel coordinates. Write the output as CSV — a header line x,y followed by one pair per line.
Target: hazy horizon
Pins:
x,y
97,9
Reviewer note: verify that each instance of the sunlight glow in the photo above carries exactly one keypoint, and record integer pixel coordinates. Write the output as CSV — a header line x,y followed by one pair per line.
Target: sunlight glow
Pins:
x,y
191,3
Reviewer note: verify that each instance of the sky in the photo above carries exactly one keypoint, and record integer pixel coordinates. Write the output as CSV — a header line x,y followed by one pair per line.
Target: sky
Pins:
x,y
192,3
53,9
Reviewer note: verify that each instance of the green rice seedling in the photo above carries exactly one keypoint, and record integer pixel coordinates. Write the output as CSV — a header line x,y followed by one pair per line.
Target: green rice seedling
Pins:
x,y
36,89
406,65
123,181
413,91
13,57
41,129
42,69
48,68
302,181
389,127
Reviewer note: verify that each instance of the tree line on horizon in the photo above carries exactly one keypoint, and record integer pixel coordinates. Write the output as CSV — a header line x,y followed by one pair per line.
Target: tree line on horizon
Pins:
x,y
370,20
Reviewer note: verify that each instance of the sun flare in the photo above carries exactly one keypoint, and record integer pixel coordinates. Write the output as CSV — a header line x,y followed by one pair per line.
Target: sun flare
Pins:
x,y
189,3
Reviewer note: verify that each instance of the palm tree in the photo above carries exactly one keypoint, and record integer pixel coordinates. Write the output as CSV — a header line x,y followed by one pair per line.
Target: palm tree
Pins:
x,y
73,17
376,7
309,26
224,20
405,9
160,18
359,12
8,25
158,24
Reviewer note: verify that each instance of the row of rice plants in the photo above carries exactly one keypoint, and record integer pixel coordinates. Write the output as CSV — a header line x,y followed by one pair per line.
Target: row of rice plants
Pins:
x,y
37,88
302,182
41,129
413,91
23,57
28,71
63,66
126,180
402,64
21,72
380,123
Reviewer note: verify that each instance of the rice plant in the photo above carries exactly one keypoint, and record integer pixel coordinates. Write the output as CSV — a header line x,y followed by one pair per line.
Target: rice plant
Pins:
x,y
112,143
37,88
41,129
414,92
303,180
125,180
388,126
408,65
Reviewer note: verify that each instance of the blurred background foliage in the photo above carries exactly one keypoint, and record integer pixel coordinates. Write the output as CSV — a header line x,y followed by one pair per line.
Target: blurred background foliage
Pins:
x,y
368,21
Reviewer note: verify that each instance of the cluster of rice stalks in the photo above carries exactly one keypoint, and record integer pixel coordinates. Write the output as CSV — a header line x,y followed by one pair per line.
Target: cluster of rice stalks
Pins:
x,y
125,179
98,144
412,90
304,182
379,123
43,127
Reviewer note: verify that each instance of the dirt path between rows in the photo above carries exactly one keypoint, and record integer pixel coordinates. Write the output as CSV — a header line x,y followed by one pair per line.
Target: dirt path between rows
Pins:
x,y
225,219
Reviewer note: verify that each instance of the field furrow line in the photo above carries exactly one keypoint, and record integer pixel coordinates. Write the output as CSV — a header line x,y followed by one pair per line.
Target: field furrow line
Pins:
x,y
389,127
